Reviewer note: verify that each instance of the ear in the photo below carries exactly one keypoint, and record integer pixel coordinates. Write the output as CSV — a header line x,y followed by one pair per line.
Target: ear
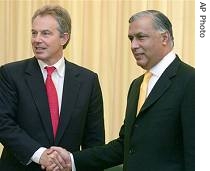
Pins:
x,y
165,38
64,38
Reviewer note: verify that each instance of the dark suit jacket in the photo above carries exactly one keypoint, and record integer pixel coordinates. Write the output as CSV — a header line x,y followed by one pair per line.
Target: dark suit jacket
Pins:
x,y
25,123
161,137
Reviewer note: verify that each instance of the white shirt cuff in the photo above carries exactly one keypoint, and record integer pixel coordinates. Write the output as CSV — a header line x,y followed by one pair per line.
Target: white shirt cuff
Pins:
x,y
72,162
37,155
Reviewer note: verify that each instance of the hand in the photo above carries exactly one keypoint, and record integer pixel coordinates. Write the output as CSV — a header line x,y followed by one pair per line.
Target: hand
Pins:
x,y
64,154
52,159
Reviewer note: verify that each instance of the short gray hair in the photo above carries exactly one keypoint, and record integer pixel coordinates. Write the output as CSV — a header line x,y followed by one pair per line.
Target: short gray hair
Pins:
x,y
60,14
161,22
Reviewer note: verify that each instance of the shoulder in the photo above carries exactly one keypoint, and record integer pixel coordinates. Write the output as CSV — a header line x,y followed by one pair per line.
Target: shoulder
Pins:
x,y
18,64
184,67
179,70
185,70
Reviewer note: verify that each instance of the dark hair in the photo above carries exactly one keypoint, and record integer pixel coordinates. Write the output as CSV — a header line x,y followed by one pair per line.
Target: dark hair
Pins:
x,y
161,22
60,14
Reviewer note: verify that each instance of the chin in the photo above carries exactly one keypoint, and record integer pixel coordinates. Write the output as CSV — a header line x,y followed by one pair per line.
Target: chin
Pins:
x,y
142,65
139,63
39,56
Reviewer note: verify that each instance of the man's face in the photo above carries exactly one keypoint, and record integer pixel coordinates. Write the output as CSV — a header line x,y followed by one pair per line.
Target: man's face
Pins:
x,y
147,44
46,40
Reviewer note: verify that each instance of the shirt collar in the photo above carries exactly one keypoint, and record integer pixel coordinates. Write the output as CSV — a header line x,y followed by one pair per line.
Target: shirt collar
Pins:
x,y
60,66
159,68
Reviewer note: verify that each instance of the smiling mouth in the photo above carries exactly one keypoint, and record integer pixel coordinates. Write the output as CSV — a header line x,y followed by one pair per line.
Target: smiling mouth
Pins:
x,y
139,54
39,48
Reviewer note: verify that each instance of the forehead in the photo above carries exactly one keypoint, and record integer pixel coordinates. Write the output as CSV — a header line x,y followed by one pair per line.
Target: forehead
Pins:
x,y
44,22
143,24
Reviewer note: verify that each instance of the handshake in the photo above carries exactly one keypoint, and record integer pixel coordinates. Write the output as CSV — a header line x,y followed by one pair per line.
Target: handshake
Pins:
x,y
56,159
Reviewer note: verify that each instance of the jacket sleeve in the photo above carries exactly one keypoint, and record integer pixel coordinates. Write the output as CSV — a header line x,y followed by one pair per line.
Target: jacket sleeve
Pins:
x,y
94,132
11,135
188,123
101,157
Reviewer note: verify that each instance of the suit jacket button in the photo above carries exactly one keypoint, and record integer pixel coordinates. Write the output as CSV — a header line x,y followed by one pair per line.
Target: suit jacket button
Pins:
x,y
131,151
136,125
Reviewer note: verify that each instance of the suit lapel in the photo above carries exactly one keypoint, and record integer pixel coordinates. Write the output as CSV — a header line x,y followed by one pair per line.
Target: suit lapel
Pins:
x,y
71,88
132,103
35,82
161,85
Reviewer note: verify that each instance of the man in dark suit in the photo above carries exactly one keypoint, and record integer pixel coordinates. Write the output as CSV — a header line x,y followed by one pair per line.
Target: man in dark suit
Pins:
x,y
159,136
26,130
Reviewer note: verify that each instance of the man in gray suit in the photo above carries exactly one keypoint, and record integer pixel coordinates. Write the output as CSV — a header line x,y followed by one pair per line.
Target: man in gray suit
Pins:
x,y
161,135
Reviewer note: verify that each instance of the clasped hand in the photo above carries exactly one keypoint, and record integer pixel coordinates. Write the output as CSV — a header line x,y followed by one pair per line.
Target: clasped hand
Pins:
x,y
55,159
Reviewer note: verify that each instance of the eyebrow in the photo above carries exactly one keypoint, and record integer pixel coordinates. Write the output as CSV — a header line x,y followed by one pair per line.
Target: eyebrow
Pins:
x,y
137,35
40,30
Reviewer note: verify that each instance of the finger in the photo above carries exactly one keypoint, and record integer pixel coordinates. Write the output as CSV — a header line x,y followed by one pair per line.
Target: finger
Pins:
x,y
61,160
56,169
49,151
58,149
57,160
51,167
63,153
59,165
44,159
68,167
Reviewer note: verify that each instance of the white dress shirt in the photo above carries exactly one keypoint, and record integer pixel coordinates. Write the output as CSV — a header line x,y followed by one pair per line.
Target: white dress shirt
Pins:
x,y
158,69
58,80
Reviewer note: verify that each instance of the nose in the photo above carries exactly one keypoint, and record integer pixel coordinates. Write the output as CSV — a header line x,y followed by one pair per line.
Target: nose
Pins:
x,y
134,44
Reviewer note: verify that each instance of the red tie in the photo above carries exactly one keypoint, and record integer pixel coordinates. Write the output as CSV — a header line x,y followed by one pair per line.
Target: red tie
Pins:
x,y
52,99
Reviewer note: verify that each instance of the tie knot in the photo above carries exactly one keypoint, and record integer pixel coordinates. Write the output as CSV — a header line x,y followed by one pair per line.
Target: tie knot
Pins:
x,y
147,75
50,70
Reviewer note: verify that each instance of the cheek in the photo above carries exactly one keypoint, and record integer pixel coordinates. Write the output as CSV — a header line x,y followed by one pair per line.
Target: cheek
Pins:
x,y
132,50
152,47
32,41
54,42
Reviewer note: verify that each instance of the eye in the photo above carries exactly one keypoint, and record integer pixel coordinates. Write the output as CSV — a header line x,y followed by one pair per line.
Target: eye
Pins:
x,y
46,33
33,33
130,38
141,36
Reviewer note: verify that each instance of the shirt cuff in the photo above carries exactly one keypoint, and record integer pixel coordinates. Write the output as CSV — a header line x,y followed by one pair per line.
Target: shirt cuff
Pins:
x,y
37,155
72,162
